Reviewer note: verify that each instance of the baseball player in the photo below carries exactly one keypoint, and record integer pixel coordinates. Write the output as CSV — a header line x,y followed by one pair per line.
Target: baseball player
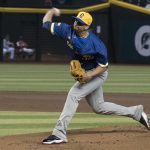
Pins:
x,y
89,67
8,47
23,49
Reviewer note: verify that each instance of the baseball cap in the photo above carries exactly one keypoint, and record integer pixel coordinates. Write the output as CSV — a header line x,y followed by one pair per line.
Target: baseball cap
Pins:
x,y
84,18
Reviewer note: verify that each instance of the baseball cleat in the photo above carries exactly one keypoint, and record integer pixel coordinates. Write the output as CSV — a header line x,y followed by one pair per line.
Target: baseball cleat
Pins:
x,y
52,139
145,121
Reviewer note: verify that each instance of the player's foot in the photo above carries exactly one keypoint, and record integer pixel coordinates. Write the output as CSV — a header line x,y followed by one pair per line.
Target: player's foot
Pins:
x,y
145,120
52,139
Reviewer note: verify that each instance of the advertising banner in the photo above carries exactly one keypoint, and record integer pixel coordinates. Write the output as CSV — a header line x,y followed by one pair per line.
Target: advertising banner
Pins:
x,y
131,36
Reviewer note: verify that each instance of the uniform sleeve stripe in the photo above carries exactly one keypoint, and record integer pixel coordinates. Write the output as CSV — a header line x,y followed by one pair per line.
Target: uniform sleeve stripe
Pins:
x,y
103,65
52,28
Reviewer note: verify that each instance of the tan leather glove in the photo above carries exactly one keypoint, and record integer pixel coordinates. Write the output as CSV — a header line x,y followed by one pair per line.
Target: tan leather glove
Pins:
x,y
77,71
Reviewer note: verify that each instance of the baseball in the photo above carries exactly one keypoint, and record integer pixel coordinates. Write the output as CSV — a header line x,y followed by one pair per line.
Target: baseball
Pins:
x,y
56,11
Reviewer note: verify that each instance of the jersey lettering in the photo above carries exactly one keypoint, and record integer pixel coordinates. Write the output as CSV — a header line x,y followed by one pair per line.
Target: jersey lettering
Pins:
x,y
81,15
87,57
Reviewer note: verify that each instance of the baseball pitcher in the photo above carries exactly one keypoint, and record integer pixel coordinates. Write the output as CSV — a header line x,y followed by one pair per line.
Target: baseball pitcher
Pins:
x,y
89,67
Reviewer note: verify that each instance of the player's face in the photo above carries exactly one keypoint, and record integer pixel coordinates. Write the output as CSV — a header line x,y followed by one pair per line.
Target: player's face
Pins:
x,y
79,27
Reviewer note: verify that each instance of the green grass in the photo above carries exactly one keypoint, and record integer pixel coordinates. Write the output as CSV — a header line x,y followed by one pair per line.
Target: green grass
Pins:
x,y
13,123
47,77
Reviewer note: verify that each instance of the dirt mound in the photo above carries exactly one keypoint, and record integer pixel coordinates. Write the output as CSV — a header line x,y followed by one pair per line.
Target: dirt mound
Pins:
x,y
110,138
54,101
114,138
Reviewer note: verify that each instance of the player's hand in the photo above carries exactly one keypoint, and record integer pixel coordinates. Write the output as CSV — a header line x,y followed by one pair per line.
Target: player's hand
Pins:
x,y
50,13
56,11
87,77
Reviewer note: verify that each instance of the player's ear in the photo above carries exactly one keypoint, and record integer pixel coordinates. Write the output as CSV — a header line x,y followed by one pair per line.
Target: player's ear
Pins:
x,y
86,27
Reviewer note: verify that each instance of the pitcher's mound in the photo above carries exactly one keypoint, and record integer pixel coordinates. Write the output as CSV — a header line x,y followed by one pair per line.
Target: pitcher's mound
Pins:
x,y
110,138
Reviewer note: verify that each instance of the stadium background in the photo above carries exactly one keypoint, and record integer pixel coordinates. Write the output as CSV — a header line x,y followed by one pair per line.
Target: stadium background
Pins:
x,y
112,23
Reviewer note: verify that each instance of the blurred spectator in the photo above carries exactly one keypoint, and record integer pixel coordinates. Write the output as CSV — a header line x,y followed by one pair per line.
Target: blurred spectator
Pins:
x,y
147,6
8,47
22,48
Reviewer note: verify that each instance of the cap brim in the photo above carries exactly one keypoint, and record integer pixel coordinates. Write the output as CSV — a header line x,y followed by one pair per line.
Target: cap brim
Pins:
x,y
78,19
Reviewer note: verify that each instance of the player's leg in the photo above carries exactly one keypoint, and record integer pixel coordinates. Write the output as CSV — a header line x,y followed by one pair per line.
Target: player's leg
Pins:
x,y
96,101
76,93
12,52
4,51
70,107
28,50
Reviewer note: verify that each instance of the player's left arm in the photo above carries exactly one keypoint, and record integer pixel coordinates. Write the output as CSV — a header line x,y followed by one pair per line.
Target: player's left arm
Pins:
x,y
94,73
97,71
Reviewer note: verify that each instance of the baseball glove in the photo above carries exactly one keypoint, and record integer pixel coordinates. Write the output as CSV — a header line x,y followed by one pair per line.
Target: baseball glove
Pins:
x,y
77,71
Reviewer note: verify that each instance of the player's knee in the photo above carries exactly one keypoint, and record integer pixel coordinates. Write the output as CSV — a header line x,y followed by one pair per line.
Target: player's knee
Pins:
x,y
99,108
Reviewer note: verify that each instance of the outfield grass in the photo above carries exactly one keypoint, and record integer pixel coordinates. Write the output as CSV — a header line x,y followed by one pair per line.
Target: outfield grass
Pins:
x,y
13,123
44,77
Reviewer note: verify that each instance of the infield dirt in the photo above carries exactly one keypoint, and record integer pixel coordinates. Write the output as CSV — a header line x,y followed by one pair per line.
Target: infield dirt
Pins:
x,y
110,138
